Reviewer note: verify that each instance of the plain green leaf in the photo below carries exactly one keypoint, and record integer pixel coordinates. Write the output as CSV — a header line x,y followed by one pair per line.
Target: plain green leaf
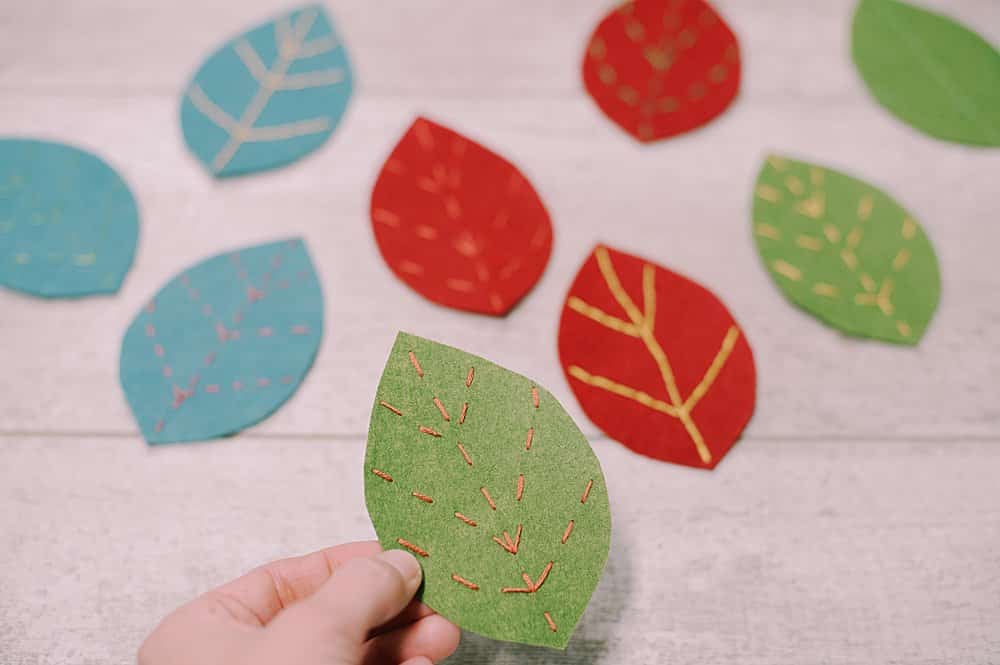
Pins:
x,y
929,71
845,251
479,450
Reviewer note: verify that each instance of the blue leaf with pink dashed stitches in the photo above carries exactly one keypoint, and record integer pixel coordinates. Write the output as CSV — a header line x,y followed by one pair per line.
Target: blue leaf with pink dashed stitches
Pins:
x,y
223,344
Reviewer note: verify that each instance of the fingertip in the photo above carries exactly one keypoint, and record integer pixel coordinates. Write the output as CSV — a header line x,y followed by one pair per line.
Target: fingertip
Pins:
x,y
433,637
419,660
407,565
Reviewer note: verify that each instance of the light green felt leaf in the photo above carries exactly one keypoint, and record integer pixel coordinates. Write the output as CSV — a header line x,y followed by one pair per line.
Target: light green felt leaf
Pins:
x,y
521,571
845,251
929,71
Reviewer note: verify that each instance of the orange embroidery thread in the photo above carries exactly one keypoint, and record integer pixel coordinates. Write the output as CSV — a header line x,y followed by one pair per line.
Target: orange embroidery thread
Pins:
x,y
548,620
423,497
541,578
465,519
469,377
440,406
465,409
461,449
520,486
390,407
428,430
488,498
527,440
534,396
569,530
416,364
586,491
464,582
383,475
413,548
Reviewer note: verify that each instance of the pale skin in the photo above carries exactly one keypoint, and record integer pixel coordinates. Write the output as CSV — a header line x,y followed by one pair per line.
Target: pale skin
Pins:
x,y
346,605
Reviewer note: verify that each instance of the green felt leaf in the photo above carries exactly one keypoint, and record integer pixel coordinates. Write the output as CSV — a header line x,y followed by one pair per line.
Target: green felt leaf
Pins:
x,y
928,70
502,500
845,251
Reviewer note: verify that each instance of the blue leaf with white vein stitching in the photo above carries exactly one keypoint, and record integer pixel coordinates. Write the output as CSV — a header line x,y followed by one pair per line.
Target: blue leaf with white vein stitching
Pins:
x,y
268,97
224,344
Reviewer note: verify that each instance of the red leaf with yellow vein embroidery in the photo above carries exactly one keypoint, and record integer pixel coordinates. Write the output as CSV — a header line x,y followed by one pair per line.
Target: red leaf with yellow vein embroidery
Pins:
x,y
662,67
457,223
656,360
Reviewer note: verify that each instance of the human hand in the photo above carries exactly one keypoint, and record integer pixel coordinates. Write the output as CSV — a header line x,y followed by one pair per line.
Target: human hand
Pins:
x,y
346,605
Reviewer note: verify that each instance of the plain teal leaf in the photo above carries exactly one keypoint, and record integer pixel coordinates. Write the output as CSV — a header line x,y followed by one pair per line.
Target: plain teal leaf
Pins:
x,y
269,96
68,223
223,344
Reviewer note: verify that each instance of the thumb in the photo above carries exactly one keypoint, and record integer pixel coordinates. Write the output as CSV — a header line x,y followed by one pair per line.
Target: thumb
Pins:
x,y
361,595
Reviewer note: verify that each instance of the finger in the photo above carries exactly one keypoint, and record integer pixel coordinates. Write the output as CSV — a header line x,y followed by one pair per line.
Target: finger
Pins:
x,y
419,660
433,637
258,596
362,594
414,612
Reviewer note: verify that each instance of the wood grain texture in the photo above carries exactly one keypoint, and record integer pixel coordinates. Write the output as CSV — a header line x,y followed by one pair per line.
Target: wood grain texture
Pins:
x,y
856,523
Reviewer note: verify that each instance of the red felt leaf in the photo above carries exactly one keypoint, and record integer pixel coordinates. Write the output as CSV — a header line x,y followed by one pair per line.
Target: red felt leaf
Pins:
x,y
662,67
458,223
656,360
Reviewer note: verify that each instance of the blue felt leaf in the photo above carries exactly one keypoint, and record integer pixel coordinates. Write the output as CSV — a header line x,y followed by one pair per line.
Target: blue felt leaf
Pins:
x,y
268,97
223,344
68,223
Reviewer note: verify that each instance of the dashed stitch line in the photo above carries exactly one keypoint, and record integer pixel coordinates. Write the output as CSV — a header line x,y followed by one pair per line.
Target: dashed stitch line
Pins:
x,y
390,407
567,532
489,499
464,582
383,475
465,455
416,364
429,431
520,486
422,497
465,409
529,438
548,620
440,407
586,491
534,396
469,377
413,548
465,519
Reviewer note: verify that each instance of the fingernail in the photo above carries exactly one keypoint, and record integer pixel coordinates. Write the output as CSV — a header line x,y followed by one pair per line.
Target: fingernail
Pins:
x,y
406,564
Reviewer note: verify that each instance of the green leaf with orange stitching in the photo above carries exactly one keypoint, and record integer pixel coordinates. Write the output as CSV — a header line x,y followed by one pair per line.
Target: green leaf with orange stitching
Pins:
x,y
481,473
845,251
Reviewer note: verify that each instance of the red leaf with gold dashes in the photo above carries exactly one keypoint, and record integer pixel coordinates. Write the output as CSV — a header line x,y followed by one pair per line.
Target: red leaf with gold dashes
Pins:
x,y
457,223
656,360
659,68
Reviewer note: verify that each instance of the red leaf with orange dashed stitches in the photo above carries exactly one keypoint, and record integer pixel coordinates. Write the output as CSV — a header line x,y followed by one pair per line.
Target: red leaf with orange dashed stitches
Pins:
x,y
662,67
656,360
459,224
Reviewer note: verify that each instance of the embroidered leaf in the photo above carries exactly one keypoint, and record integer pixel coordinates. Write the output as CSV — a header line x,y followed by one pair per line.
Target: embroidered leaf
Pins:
x,y
845,251
656,360
68,223
661,67
268,97
481,474
223,344
459,224
929,71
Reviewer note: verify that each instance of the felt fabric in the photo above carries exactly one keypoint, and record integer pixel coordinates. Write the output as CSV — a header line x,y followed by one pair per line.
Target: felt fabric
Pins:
x,y
844,251
459,224
659,68
656,360
68,223
929,71
223,344
268,97
484,477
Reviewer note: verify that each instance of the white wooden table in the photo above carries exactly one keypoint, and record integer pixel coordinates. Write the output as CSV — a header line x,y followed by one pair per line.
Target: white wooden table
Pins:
x,y
858,521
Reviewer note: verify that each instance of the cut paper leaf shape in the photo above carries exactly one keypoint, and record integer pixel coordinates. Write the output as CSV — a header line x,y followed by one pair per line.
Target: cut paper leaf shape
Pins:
x,y
656,360
223,344
659,68
268,97
68,223
459,224
483,476
845,252
929,71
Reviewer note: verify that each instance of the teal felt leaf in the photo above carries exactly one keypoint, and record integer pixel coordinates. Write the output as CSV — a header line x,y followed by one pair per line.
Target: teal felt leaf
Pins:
x,y
482,474
268,97
223,344
929,71
68,223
